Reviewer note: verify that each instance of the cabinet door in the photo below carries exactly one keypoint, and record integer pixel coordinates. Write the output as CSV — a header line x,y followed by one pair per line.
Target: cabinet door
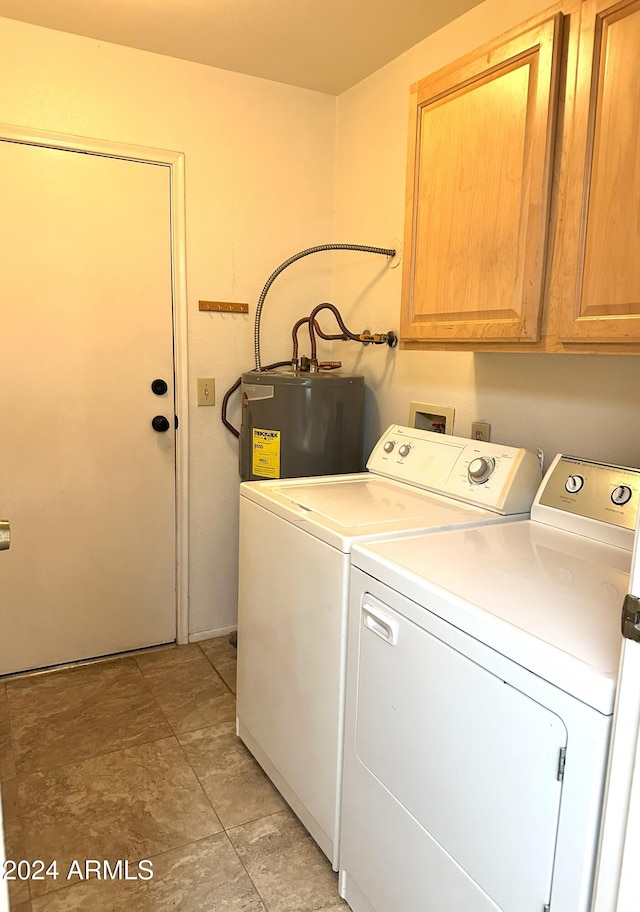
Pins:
x,y
478,187
600,284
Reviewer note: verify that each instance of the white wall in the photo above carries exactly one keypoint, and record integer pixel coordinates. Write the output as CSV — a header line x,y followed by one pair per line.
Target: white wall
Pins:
x,y
262,183
259,160
578,404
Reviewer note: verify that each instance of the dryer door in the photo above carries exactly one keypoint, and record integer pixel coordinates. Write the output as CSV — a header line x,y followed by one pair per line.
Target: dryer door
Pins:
x,y
459,768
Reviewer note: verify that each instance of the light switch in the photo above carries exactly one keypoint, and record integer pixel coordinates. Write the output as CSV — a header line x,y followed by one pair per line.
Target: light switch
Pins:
x,y
206,391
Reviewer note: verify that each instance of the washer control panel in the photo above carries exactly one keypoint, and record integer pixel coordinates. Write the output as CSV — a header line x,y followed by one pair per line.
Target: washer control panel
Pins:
x,y
500,478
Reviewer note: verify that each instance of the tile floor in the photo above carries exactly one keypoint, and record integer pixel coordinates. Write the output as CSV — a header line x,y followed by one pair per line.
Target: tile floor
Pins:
x,y
136,758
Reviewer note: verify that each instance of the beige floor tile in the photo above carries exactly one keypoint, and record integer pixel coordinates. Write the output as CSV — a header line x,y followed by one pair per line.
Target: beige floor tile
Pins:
x,y
69,715
10,799
15,850
61,680
192,695
223,657
7,759
100,776
167,656
128,805
235,784
206,876
287,867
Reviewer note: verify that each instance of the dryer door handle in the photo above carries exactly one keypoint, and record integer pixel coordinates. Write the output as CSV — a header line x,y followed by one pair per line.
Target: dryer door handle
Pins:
x,y
378,622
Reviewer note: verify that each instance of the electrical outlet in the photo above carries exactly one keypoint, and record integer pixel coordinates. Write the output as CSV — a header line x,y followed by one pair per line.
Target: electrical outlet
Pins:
x,y
206,391
481,430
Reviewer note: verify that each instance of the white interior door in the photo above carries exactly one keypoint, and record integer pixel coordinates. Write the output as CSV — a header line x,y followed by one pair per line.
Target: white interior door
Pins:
x,y
85,327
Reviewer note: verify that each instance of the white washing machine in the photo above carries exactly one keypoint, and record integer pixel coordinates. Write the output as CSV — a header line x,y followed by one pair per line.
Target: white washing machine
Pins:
x,y
296,537
481,676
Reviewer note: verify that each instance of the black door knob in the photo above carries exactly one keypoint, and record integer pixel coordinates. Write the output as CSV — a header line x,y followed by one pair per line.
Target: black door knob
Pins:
x,y
159,387
160,424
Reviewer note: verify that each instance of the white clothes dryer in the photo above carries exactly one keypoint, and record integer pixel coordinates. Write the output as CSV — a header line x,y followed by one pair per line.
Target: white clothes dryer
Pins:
x,y
296,537
481,675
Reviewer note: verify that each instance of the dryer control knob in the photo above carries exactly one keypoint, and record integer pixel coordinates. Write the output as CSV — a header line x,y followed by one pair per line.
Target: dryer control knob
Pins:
x,y
573,484
621,495
481,469
405,449
389,445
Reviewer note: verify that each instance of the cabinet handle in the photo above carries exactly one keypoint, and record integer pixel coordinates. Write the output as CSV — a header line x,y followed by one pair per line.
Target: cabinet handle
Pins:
x,y
377,622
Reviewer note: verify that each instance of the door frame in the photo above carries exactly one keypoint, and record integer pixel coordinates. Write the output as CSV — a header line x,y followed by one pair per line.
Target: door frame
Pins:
x,y
175,162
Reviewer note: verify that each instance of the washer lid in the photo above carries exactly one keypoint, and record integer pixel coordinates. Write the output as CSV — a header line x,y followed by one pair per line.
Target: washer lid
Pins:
x,y
545,598
354,505
341,509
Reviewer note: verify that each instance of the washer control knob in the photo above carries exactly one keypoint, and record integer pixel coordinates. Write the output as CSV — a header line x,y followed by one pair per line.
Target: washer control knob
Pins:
x,y
573,484
481,469
405,449
389,446
621,495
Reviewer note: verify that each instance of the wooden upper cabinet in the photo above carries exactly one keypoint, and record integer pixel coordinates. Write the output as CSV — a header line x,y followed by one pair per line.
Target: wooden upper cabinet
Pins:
x,y
478,188
600,283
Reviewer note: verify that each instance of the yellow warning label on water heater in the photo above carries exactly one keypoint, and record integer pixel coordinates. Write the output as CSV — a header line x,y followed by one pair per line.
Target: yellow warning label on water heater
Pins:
x,y
266,453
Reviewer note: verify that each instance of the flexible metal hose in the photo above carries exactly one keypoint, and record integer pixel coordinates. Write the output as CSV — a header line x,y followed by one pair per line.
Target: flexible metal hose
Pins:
x,y
363,248
345,334
294,336
225,405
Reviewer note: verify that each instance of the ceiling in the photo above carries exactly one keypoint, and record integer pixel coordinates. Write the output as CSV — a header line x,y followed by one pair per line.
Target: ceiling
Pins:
x,y
325,45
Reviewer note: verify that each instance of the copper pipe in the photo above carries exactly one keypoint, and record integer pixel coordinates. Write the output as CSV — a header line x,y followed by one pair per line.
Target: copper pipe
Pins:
x,y
294,335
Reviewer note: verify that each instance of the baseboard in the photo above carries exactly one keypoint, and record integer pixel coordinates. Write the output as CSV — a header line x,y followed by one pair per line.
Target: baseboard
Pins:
x,y
210,634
